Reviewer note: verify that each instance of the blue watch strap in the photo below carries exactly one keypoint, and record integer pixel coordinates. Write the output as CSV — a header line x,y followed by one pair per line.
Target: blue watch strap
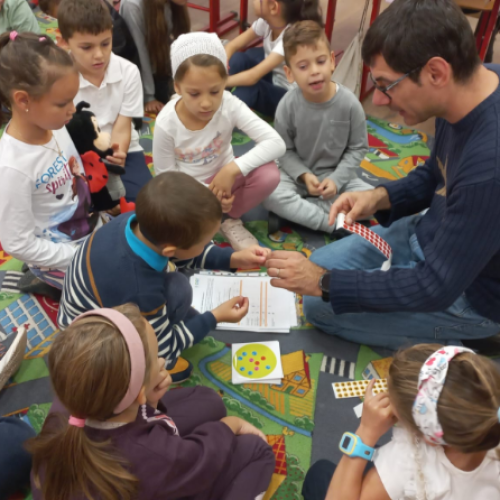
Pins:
x,y
353,446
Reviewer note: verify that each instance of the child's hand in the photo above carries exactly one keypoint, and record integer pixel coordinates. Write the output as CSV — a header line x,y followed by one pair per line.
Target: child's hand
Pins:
x,y
118,157
378,416
250,258
222,183
161,384
312,184
328,189
231,311
153,107
227,204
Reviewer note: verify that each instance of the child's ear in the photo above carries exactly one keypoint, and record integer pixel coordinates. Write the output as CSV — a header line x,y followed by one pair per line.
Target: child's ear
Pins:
x,y
168,250
63,43
274,8
289,74
21,99
333,61
141,398
177,88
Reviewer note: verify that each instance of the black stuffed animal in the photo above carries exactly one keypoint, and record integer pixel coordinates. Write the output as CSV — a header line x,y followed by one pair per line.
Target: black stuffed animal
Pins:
x,y
92,144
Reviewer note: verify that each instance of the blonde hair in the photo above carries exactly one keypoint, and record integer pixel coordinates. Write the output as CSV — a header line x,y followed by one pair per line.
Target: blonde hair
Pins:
x,y
468,405
89,367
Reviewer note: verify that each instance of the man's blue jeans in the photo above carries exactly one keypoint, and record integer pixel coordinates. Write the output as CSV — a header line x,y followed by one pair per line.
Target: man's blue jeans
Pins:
x,y
397,329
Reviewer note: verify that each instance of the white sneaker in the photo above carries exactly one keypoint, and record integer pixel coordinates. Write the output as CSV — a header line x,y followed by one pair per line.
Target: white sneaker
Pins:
x,y
12,359
236,234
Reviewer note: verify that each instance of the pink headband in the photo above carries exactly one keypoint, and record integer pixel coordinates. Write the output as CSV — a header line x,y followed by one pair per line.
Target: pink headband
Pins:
x,y
137,357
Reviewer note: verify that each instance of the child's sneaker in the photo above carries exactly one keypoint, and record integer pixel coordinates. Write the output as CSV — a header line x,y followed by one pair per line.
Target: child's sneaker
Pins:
x,y
12,351
30,283
235,233
181,371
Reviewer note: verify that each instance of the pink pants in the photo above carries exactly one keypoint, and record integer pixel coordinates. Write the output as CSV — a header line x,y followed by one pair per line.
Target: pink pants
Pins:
x,y
251,190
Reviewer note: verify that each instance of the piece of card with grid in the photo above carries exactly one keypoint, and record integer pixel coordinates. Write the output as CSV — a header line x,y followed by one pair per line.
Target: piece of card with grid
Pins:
x,y
357,388
369,236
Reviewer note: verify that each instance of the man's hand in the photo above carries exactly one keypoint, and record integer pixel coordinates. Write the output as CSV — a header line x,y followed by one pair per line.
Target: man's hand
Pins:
x,y
161,385
153,107
312,184
222,183
328,189
251,258
359,205
378,416
293,271
118,157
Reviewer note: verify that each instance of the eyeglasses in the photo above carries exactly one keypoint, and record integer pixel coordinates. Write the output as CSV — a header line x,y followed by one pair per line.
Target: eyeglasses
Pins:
x,y
386,89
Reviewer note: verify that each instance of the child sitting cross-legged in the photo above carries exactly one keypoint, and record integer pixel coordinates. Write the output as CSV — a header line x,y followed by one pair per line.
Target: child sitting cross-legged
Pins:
x,y
128,261
194,131
128,438
324,129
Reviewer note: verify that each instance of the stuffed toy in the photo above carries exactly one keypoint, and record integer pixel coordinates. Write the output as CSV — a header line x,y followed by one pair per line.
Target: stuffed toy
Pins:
x,y
92,144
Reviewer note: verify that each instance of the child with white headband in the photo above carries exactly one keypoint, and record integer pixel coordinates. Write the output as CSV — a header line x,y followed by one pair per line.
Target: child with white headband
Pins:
x,y
446,401
126,438
194,130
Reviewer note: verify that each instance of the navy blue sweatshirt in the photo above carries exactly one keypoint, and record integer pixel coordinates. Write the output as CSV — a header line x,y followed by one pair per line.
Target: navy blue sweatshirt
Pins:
x,y
459,235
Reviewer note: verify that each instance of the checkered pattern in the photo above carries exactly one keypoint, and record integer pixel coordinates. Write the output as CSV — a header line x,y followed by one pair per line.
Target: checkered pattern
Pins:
x,y
370,236
27,311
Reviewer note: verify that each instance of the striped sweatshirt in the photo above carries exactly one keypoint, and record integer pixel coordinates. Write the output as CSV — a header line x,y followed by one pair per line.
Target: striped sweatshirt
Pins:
x,y
459,234
114,267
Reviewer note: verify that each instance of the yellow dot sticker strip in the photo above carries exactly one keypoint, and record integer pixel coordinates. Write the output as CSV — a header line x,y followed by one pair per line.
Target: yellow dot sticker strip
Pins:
x,y
357,388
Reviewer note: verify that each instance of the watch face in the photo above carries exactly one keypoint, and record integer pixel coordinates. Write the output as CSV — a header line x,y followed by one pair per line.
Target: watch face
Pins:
x,y
325,283
347,443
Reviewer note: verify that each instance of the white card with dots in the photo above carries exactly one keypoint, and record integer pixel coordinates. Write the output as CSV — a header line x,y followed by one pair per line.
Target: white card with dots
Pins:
x,y
357,388
256,363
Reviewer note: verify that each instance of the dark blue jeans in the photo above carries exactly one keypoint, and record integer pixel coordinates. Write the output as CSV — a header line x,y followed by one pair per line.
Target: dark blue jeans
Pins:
x,y
15,461
264,96
136,175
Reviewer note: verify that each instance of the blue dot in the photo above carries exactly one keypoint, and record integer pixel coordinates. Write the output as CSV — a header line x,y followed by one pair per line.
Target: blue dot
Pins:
x,y
240,358
254,353
242,369
250,373
244,353
268,367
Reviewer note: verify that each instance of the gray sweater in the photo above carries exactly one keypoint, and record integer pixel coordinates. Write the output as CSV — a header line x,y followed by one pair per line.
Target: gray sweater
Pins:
x,y
327,139
133,14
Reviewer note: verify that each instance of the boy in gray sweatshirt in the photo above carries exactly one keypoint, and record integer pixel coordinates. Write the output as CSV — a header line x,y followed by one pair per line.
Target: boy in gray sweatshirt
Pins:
x,y
324,128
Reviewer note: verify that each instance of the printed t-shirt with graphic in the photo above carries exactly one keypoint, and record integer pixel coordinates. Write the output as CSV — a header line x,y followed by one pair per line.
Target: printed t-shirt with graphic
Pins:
x,y
261,28
202,153
44,201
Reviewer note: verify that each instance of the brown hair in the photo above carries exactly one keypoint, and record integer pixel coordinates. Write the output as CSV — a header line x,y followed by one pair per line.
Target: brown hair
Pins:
x,y
158,38
89,366
307,33
174,208
43,63
201,60
83,16
468,404
49,7
301,10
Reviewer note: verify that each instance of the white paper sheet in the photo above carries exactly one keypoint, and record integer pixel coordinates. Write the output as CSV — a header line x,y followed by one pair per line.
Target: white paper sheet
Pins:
x,y
270,309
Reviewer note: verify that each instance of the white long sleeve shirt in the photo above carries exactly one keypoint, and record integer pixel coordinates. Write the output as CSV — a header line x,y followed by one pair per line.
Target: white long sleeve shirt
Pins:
x,y
43,204
202,153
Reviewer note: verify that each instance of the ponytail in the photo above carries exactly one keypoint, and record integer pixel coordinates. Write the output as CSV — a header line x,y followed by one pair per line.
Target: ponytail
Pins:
x,y
301,10
90,370
67,463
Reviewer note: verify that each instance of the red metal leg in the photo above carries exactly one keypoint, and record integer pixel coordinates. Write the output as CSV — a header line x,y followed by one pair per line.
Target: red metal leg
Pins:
x,y
216,24
481,29
489,29
243,15
365,88
330,18
214,15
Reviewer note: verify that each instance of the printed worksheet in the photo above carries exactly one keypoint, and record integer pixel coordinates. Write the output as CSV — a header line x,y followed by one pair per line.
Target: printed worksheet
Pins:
x,y
270,309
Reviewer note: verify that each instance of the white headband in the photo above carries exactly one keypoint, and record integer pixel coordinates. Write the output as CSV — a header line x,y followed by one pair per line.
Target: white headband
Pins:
x,y
430,384
192,44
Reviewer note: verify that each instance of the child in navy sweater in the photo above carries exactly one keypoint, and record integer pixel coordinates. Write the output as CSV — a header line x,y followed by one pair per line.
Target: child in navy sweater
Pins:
x,y
130,259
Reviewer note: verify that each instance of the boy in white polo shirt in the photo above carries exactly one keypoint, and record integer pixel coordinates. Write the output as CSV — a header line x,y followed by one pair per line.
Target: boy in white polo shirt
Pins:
x,y
110,84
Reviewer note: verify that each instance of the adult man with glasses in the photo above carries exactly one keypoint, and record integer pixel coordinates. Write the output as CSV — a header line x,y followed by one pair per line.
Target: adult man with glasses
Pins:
x,y
442,221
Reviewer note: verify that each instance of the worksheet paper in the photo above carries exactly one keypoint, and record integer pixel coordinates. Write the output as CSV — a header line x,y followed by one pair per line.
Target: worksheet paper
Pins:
x,y
270,309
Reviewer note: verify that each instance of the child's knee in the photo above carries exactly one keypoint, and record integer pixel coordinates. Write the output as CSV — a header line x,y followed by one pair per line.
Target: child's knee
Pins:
x,y
239,62
268,177
212,402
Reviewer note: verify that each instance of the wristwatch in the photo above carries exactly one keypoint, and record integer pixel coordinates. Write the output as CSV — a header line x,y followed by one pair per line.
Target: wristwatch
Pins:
x,y
324,285
351,445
